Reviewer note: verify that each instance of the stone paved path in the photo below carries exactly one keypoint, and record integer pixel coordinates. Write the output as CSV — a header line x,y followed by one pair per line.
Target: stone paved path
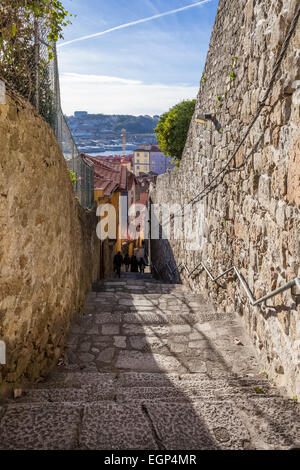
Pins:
x,y
152,366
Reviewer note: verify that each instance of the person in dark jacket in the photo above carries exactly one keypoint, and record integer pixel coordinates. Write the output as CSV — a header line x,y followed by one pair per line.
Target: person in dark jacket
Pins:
x,y
134,264
118,261
142,265
127,262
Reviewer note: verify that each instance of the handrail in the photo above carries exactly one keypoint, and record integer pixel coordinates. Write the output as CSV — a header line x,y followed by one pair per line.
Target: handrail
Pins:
x,y
253,302
185,267
170,269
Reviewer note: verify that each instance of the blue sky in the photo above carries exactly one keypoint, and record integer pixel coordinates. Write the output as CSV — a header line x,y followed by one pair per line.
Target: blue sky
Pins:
x,y
143,69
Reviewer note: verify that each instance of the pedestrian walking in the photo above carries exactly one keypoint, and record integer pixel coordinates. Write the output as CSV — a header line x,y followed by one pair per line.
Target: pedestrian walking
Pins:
x,y
118,261
134,264
142,265
127,262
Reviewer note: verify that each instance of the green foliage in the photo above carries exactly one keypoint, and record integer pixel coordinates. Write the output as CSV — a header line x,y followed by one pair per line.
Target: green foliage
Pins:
x,y
203,79
73,176
172,128
46,95
232,75
234,59
258,390
295,398
13,30
16,21
263,372
25,61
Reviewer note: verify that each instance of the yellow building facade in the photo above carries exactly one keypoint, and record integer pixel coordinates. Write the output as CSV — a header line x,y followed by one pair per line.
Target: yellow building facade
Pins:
x,y
141,161
114,200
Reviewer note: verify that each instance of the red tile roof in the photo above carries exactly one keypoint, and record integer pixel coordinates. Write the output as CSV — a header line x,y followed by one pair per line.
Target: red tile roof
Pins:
x,y
115,158
109,176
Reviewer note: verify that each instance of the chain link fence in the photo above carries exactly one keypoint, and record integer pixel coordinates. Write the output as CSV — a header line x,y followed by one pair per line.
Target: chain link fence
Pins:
x,y
29,66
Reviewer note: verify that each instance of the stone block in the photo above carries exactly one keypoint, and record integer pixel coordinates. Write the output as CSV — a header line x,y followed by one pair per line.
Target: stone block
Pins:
x,y
106,355
202,426
110,329
111,426
120,341
147,362
46,426
264,190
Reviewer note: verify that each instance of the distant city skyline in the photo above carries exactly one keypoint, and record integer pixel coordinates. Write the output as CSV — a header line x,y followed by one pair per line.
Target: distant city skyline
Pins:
x,y
142,69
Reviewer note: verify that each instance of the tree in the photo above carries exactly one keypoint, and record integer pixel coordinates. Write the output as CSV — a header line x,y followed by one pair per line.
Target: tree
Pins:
x,y
173,127
16,19
24,58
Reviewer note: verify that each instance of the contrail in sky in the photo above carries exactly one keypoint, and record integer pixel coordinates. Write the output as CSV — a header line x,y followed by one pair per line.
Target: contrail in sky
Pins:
x,y
133,23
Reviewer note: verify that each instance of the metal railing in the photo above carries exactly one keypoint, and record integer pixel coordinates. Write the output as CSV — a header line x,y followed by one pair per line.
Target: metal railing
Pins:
x,y
288,285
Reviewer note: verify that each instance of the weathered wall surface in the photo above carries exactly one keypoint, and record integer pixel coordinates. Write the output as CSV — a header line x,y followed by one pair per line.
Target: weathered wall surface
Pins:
x,y
251,218
49,252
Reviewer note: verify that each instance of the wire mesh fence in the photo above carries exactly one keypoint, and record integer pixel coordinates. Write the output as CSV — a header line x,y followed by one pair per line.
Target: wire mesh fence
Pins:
x,y
29,66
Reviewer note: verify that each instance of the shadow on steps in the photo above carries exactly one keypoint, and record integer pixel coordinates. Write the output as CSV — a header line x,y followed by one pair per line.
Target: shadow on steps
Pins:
x,y
151,366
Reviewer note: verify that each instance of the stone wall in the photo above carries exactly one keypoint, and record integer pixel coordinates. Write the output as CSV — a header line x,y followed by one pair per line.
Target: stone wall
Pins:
x,y
49,251
250,218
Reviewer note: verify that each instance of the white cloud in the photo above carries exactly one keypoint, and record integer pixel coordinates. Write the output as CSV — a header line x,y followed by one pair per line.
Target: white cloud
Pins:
x,y
77,78
114,95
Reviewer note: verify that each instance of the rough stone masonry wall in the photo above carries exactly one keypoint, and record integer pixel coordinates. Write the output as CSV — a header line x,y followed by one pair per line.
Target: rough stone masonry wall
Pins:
x,y
49,252
251,219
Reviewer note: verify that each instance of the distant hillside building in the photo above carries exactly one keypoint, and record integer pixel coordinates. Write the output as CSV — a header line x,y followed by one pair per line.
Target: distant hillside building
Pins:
x,y
149,158
80,114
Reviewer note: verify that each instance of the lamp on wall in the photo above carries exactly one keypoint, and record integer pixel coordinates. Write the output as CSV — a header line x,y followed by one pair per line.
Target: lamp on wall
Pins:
x,y
203,118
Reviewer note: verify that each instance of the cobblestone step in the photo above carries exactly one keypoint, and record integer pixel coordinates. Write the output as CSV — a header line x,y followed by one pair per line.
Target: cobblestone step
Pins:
x,y
89,387
152,366
250,423
149,318
76,380
186,392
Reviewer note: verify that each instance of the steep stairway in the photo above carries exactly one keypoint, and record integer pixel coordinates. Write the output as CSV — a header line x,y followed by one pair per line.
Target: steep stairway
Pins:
x,y
152,366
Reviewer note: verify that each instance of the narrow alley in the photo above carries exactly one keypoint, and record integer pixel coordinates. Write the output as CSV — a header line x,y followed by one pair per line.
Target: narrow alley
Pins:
x,y
162,137
152,366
